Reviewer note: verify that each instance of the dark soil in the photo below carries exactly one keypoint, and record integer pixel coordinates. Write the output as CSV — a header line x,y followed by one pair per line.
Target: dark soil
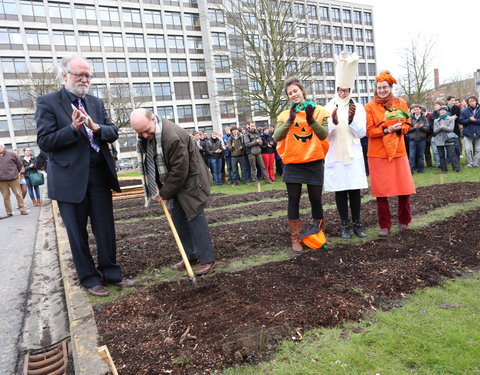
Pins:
x,y
241,317
136,252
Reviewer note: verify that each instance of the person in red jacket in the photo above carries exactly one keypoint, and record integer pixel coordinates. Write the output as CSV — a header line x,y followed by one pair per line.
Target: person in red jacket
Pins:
x,y
387,123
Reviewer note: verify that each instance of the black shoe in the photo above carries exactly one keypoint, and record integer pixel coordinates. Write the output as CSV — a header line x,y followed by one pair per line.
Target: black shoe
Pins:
x,y
357,229
346,229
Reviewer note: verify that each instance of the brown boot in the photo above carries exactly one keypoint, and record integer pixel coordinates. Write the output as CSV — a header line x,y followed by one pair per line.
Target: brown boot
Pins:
x,y
295,226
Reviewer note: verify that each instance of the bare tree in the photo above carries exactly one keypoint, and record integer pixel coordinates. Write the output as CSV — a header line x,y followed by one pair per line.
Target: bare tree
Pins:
x,y
40,83
461,87
415,82
265,51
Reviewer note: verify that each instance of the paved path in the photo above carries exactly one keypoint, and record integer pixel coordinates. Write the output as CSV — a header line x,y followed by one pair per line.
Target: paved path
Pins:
x,y
17,242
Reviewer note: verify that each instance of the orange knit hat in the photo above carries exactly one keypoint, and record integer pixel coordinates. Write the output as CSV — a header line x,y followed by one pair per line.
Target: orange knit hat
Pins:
x,y
386,76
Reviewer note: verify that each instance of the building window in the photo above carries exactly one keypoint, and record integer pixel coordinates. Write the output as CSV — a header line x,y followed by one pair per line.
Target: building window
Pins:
x,y
182,90
335,15
109,16
14,67
369,35
319,87
203,112
362,85
324,14
372,69
313,30
97,67
347,16
197,68
312,11
33,11
8,10
173,20
357,17
337,33
18,97
329,68
360,51
219,41
190,3
37,39
89,42
175,44
315,49
317,68
131,17
370,53
338,49
222,64
156,43
326,32
117,67
86,14
64,40
327,50
224,86
372,84
166,112
135,43
192,21
185,113
113,42
60,13
159,67
138,67
142,92
330,84
162,91
23,125
216,17
348,33
195,44
367,18
179,67
359,35
227,109
200,90
41,65
350,48
299,10
362,69
153,18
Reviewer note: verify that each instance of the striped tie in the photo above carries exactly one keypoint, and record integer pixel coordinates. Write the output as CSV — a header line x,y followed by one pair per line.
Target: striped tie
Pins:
x,y
151,170
93,144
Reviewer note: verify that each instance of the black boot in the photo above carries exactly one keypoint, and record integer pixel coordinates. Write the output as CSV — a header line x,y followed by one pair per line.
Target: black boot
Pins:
x,y
346,229
357,229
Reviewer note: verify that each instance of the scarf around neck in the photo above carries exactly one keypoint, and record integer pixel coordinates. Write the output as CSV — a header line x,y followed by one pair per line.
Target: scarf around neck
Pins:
x,y
386,102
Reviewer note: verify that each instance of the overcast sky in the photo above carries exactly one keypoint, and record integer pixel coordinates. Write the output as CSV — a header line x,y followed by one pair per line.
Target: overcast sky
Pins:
x,y
454,25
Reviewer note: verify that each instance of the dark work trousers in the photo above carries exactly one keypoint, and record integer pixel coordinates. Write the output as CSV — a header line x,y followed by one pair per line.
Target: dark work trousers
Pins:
x,y
383,211
96,205
342,198
194,234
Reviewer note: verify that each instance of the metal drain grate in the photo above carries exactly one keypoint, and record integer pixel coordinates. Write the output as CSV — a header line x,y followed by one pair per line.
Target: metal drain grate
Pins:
x,y
49,361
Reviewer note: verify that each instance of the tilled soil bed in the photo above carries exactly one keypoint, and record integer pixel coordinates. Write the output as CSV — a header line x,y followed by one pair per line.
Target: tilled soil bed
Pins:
x,y
148,243
240,317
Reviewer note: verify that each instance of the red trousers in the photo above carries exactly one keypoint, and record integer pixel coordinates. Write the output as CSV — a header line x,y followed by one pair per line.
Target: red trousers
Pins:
x,y
269,161
383,211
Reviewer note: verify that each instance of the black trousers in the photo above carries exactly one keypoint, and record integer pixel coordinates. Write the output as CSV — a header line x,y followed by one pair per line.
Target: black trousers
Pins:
x,y
294,192
342,198
96,205
194,234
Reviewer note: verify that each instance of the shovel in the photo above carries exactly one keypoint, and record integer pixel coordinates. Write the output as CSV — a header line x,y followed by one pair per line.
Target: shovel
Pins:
x,y
179,244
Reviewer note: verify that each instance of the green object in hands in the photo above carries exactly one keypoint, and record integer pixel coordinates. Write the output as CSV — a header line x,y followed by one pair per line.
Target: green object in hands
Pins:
x,y
396,113
302,106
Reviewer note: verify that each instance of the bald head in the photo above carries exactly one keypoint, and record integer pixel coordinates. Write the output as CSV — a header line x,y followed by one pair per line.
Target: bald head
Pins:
x,y
143,122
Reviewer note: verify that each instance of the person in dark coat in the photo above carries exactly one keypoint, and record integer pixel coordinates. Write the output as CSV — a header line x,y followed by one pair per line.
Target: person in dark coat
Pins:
x,y
179,177
74,130
417,138
470,119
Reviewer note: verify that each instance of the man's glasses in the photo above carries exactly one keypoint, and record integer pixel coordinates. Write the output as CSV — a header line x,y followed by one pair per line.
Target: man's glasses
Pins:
x,y
345,91
81,75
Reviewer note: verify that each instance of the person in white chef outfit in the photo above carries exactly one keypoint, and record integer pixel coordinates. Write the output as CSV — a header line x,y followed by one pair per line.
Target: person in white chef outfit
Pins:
x,y
344,164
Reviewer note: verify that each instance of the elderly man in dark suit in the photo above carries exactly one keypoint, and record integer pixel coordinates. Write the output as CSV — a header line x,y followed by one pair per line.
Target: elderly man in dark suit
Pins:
x,y
74,130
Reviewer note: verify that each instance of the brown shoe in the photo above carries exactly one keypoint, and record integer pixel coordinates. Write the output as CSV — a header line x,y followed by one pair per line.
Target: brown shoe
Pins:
x,y
181,265
125,283
205,268
98,291
384,232
24,212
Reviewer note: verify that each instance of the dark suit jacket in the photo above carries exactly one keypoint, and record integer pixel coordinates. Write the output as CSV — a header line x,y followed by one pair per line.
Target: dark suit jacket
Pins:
x,y
68,149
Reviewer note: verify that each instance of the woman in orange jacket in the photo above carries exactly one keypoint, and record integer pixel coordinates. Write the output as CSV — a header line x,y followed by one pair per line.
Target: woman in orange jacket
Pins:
x,y
390,175
301,133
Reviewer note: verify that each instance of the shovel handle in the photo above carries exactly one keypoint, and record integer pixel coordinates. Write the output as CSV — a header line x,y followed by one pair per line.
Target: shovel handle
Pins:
x,y
177,240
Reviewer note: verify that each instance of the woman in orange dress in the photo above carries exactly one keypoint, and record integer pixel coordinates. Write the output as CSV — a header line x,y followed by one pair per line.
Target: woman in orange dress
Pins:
x,y
390,175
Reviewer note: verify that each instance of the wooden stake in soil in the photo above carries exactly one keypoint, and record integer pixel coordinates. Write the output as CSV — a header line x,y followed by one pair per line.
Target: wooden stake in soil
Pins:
x,y
441,178
259,188
179,244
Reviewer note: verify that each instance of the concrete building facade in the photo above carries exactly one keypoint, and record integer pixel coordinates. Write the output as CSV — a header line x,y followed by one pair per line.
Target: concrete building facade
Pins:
x,y
171,56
